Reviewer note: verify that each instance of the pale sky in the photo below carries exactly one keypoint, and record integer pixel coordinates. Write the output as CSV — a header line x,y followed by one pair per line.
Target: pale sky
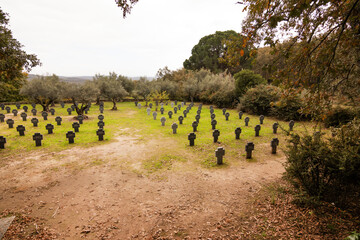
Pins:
x,y
85,37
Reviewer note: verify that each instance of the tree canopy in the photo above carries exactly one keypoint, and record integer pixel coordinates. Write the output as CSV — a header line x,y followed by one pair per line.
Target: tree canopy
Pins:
x,y
126,5
13,61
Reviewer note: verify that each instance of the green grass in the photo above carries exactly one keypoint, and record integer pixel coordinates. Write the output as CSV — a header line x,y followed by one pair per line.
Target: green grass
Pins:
x,y
145,128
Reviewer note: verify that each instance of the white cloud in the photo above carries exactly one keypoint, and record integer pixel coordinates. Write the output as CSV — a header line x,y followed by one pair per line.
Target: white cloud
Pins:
x,y
85,37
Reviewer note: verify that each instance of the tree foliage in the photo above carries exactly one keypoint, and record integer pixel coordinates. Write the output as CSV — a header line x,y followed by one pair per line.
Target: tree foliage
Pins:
x,y
318,42
13,62
126,5
210,50
246,79
43,90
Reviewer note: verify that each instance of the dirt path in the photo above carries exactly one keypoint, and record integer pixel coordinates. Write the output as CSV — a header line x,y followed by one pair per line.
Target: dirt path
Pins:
x,y
99,192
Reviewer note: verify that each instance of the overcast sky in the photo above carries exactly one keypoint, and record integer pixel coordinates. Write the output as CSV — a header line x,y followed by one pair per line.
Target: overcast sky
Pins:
x,y
85,37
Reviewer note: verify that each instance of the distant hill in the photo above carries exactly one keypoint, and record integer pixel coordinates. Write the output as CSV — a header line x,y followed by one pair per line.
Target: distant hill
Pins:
x,y
80,79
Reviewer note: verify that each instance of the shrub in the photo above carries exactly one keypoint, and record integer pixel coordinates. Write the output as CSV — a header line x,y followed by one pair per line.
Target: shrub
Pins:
x,y
288,108
246,79
338,116
258,100
327,169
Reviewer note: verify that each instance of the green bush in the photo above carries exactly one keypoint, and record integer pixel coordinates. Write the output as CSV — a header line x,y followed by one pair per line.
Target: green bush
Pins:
x,y
327,169
288,108
246,79
259,100
338,116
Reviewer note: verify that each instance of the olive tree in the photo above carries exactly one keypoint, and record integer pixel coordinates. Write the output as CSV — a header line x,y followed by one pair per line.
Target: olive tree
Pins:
x,y
143,89
111,88
43,90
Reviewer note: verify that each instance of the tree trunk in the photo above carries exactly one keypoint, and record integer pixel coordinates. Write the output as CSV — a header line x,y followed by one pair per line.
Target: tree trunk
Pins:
x,y
114,106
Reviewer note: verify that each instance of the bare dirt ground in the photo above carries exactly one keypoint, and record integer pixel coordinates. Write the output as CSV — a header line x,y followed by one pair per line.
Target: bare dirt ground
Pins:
x,y
101,192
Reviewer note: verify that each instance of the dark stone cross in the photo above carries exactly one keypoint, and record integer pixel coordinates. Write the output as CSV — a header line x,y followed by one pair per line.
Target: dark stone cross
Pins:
x,y
23,116
2,117
240,114
86,110
136,103
73,107
211,110
291,125
275,127
2,142
101,104
179,107
211,107
100,132
237,133
216,134
35,122
162,120
80,118
194,125
52,111
162,110
261,118
247,119
76,126
33,111
69,110
18,105
227,115
21,130
33,105
148,110
2,106
249,148
274,143
197,118
101,124
174,126
219,154
45,115
150,105
198,112
10,122
213,124
49,127
185,112
212,116
37,137
8,109
62,104
224,111
154,115
175,102
25,108
101,109
15,112
58,120
170,114
175,110
70,135
191,138
257,130
101,117
181,118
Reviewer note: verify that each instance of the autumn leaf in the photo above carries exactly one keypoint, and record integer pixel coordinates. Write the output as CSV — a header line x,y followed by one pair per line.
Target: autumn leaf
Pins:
x,y
241,52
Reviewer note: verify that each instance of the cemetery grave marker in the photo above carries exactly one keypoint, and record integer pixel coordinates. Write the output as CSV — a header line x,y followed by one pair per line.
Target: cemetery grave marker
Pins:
x,y
212,116
10,122
257,130
8,109
194,125
49,127
224,110
23,115
80,118
261,118
101,117
198,112
182,104
101,124
15,112
175,102
86,110
162,120
73,107
219,154
33,105
247,119
172,105
162,110
174,126
211,107
291,125
154,115
69,110
35,122
21,130
58,120
2,142
76,126
211,111
45,115
185,112
37,137
33,111
213,124
150,105
240,114
101,109
227,115
2,106
197,118
181,118
2,117
170,114
139,106
175,110
100,132
18,105
70,135
148,110
274,143
136,103
52,111
237,133
249,148
25,108
62,104
275,127
216,134
191,138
